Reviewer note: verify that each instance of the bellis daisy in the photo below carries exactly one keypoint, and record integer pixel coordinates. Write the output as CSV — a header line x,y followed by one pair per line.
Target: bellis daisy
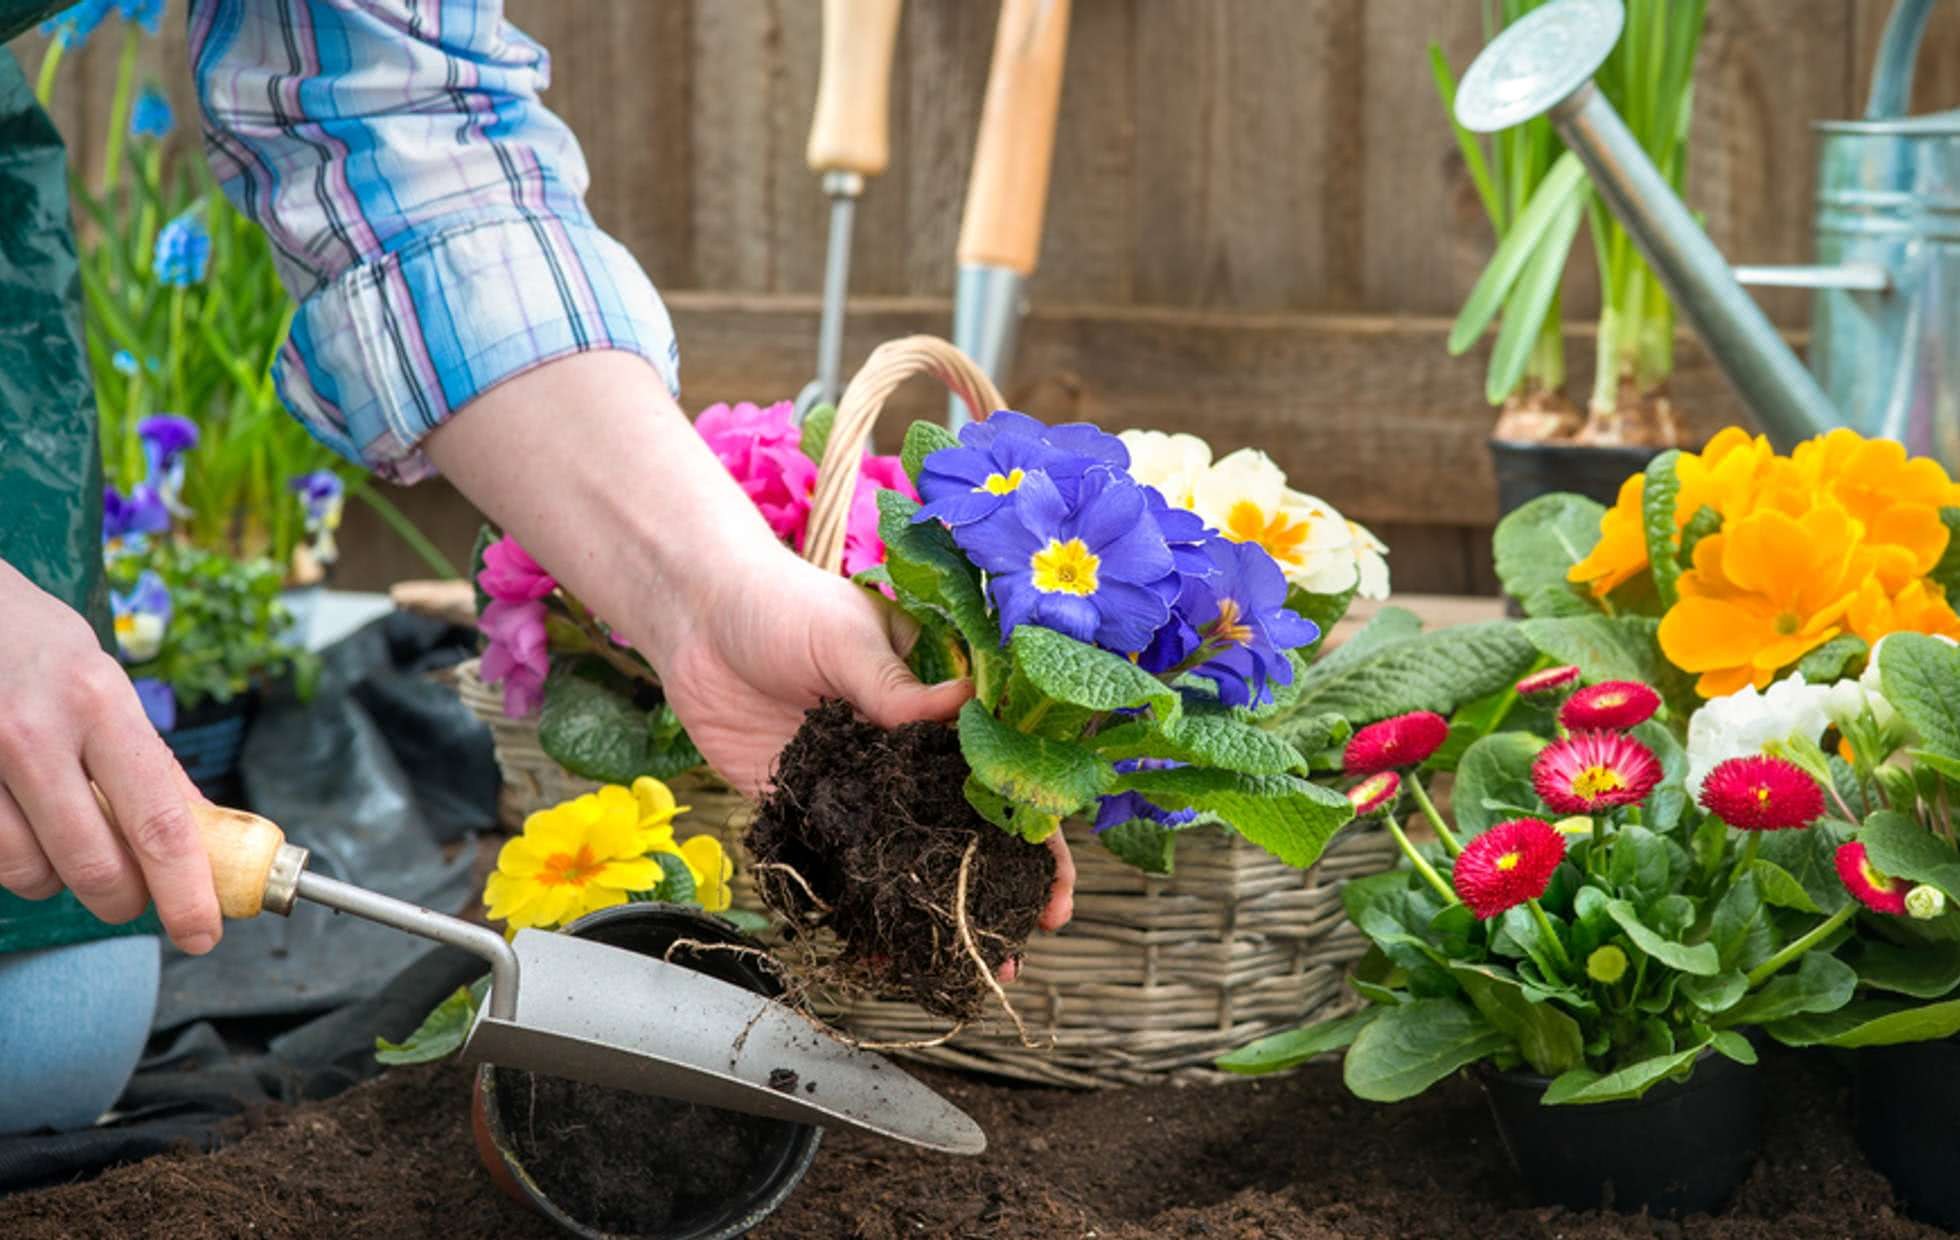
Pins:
x,y
1879,892
1403,741
1375,793
1590,771
1761,793
1508,865
1552,680
1614,704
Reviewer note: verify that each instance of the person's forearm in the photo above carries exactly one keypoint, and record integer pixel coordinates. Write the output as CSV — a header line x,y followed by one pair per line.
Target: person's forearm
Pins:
x,y
591,466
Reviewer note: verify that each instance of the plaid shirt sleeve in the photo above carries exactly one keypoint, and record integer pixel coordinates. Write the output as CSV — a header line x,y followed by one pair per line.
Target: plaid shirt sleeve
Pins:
x,y
428,212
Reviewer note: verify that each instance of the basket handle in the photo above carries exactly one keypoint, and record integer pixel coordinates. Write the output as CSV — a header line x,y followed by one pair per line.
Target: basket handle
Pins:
x,y
889,366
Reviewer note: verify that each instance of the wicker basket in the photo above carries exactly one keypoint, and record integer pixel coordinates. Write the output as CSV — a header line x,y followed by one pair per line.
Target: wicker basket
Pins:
x,y
1153,978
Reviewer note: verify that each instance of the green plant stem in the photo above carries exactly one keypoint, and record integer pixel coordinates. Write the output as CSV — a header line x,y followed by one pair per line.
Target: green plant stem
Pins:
x,y
1795,951
1748,857
1035,716
417,541
602,644
112,147
1422,867
1436,822
50,61
176,348
1551,935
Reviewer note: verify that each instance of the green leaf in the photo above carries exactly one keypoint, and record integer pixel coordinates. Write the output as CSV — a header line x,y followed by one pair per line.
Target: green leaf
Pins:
x,y
442,1032
815,437
1053,777
1603,647
1716,994
1530,300
744,920
922,439
1410,1047
932,577
1658,501
676,881
1549,1040
1899,846
1313,736
1083,675
1493,781
1638,867
1872,1022
1820,983
1922,970
1389,626
1582,1085
1810,857
1149,846
1534,547
1283,814
1734,1046
1947,571
1325,610
1740,931
1206,740
1669,800
1537,225
1833,660
1780,888
1700,959
1432,671
485,536
595,731
1918,674
1292,1047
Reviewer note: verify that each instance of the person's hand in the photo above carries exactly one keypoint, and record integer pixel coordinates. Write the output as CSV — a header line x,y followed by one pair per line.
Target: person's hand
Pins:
x,y
769,639
68,714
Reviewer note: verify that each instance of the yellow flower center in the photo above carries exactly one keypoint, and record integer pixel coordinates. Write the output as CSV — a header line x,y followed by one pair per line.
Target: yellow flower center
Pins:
x,y
125,625
1878,881
1596,781
1609,700
1229,628
1762,794
567,868
1788,623
1002,484
1281,537
1509,861
1065,568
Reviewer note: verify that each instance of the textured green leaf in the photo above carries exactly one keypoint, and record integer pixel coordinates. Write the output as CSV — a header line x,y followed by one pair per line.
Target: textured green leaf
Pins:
x,y
1410,1047
1083,675
595,731
932,579
1899,846
1602,647
1819,983
1534,547
1701,959
1389,626
1493,781
442,1032
1657,504
1669,799
1833,660
1582,1085
1312,736
1292,1047
1919,674
1053,777
1431,671
1205,740
1149,846
676,881
922,439
1871,1022
1549,1040
1325,610
1740,931
815,437
1283,814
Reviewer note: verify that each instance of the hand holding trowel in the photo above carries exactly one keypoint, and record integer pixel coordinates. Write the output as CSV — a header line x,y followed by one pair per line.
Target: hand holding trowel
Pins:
x,y
575,1008
849,141
1007,192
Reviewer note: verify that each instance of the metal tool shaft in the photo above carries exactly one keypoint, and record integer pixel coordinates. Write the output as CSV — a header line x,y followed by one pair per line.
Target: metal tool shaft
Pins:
x,y
424,923
986,325
843,188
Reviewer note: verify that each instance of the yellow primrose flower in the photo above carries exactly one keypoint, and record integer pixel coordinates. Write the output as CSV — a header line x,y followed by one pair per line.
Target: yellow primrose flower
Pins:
x,y
1171,463
1621,552
584,854
1917,607
657,809
711,869
1245,498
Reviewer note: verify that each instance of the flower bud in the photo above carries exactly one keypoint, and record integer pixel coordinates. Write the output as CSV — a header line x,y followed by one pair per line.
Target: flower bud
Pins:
x,y
1925,902
1898,786
1607,964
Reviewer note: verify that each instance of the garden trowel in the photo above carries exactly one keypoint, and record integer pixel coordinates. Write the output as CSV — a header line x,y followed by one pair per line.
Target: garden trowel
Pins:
x,y
848,142
574,1008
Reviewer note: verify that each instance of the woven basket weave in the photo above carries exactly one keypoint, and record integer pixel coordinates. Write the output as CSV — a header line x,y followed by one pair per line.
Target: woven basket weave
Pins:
x,y
1153,978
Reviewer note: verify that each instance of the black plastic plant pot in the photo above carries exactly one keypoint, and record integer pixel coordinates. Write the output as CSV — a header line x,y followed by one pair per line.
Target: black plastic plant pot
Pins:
x,y
1907,1096
1682,1148
773,1154
208,740
1526,471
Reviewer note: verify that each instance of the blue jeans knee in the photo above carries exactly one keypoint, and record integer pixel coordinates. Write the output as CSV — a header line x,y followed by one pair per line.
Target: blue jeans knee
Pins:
x,y
73,1022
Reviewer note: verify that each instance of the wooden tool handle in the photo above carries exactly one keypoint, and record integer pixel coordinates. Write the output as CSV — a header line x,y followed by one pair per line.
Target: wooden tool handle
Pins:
x,y
243,848
1007,193
849,132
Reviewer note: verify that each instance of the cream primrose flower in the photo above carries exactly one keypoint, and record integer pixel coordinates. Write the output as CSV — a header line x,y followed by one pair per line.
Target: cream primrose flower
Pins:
x,y
1371,560
1171,463
1746,721
1245,498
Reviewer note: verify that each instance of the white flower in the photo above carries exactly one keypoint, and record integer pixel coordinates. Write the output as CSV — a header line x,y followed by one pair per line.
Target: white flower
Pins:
x,y
139,635
1171,463
1873,684
1925,903
1370,558
1245,498
1746,721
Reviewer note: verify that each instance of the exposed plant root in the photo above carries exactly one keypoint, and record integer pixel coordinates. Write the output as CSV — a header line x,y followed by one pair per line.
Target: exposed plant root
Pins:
x,y
973,949
801,881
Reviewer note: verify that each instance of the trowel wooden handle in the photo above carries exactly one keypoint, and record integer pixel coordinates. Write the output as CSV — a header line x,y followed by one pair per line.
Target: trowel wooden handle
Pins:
x,y
1007,193
252,867
850,131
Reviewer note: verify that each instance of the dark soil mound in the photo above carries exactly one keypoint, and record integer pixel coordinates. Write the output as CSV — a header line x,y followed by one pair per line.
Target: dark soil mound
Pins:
x,y
877,828
1291,1157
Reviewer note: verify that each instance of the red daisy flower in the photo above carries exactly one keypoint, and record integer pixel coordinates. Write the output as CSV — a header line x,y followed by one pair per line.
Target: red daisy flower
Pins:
x,y
1405,740
1591,771
1761,793
1375,793
1881,893
1615,704
1507,865
1549,681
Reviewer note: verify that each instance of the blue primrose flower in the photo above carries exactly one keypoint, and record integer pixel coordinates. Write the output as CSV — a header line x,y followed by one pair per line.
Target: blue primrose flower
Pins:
x,y
1085,568
159,702
975,480
183,250
151,117
142,613
1129,806
1235,623
128,523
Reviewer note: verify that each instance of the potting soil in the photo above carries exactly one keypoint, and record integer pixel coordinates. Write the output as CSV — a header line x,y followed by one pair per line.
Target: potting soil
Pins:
x,y
1293,1157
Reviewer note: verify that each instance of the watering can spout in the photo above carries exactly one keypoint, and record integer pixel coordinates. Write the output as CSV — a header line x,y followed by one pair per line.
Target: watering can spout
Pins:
x,y
1543,65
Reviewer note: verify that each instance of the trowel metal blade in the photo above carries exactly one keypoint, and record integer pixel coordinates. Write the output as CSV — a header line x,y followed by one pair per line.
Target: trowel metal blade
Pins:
x,y
615,1018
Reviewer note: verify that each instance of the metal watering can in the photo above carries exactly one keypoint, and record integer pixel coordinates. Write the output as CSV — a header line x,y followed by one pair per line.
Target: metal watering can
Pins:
x,y
1885,323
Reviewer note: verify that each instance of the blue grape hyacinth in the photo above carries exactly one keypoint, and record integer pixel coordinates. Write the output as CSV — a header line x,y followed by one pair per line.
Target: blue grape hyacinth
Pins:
x,y
183,250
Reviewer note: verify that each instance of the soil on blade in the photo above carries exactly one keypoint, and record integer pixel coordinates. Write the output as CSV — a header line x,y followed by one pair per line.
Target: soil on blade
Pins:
x,y
876,827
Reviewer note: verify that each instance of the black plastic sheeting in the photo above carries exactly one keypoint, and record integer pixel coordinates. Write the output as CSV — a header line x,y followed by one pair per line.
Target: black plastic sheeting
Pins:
x,y
375,776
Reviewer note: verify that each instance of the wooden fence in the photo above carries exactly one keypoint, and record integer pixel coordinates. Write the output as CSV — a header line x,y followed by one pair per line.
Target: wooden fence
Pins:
x,y
1258,227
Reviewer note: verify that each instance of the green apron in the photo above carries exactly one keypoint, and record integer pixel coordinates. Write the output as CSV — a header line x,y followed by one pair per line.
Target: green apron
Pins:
x,y
50,462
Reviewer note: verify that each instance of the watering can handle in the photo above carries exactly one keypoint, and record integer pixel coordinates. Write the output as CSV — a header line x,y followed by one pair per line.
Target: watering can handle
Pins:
x,y
1898,52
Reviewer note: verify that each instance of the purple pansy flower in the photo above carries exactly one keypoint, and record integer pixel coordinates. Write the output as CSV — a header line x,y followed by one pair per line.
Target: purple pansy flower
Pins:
x,y
142,614
183,250
1244,626
1085,569
321,495
166,438
977,479
1126,806
128,523
159,702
